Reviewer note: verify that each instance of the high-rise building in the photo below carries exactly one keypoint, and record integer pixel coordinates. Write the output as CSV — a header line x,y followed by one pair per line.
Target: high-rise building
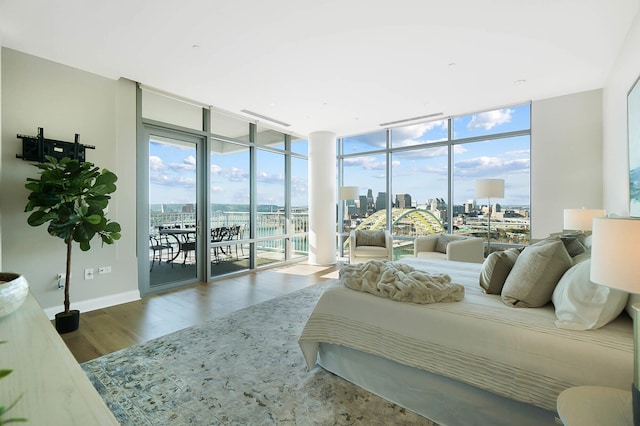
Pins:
x,y
381,201
362,210
403,201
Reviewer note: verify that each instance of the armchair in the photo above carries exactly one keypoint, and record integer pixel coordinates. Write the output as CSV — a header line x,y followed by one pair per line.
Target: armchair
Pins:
x,y
449,247
366,245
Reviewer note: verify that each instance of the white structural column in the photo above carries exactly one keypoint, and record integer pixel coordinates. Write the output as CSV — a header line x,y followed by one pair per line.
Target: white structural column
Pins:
x,y
322,198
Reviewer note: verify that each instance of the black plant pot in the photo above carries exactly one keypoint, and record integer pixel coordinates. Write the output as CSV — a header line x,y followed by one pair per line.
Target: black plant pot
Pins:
x,y
67,322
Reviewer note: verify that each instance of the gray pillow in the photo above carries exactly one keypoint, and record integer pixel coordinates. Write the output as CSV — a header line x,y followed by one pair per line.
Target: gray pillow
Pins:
x,y
535,275
370,238
441,244
496,268
573,244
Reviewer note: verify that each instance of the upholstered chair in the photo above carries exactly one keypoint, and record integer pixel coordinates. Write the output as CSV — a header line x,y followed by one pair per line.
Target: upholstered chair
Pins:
x,y
449,247
367,245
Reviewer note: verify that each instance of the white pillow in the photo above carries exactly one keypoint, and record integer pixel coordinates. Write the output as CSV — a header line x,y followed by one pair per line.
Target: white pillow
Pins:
x,y
582,304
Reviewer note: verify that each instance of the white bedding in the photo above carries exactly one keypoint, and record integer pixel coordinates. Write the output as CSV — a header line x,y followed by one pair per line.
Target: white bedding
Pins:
x,y
513,352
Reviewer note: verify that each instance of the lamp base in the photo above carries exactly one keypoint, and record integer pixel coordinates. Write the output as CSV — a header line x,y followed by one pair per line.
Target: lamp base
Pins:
x,y
635,398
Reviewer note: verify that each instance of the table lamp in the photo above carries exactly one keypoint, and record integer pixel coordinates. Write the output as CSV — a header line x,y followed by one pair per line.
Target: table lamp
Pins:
x,y
489,188
580,219
614,263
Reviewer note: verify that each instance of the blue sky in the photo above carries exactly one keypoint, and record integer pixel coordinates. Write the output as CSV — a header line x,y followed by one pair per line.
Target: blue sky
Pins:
x,y
421,173
172,175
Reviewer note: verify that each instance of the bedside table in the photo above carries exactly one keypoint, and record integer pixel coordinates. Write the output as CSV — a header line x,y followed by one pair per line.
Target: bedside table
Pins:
x,y
595,405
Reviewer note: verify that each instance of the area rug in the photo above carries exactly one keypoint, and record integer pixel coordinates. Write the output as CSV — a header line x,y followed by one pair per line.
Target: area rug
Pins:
x,y
241,369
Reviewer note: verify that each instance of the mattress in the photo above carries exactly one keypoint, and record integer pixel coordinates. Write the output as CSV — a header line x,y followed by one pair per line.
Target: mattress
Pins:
x,y
517,353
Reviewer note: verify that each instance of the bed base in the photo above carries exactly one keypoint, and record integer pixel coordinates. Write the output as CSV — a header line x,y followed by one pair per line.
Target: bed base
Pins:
x,y
438,398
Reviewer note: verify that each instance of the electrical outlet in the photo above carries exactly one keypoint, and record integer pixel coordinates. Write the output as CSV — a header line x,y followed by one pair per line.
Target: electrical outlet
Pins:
x,y
104,270
61,278
89,274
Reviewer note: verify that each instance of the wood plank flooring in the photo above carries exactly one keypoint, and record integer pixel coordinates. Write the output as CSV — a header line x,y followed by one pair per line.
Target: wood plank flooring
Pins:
x,y
107,330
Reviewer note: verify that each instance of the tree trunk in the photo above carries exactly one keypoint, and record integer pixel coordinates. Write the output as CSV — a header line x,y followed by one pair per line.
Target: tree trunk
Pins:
x,y
67,280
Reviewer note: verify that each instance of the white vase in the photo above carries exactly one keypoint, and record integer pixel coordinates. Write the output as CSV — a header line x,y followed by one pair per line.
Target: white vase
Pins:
x,y
13,290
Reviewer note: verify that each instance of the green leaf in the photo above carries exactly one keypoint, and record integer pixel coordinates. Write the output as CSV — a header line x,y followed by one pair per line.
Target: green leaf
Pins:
x,y
94,219
39,217
4,373
112,227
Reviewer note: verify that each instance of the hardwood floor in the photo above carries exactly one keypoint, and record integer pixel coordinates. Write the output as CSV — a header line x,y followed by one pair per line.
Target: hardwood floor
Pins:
x,y
107,330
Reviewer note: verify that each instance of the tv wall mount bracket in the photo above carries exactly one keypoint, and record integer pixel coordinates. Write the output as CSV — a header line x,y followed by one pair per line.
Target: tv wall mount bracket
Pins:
x,y
34,148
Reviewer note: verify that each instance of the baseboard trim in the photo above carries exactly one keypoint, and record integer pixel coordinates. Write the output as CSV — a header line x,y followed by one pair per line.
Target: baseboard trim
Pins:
x,y
97,303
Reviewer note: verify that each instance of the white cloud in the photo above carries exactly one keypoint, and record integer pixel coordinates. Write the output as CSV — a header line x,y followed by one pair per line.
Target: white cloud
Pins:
x,y
156,163
488,120
491,166
189,163
413,135
366,163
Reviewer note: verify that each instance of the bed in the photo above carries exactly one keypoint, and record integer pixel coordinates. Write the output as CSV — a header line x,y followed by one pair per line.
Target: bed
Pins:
x,y
476,361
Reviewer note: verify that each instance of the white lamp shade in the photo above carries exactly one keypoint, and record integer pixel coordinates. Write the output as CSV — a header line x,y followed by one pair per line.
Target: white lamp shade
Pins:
x,y
348,192
614,253
580,219
490,188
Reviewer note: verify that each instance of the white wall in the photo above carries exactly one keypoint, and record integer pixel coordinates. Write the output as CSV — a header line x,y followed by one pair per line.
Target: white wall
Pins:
x,y
615,153
64,101
566,150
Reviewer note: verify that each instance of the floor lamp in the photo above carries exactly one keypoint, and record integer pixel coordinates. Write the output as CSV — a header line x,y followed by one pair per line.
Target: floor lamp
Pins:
x,y
580,219
346,193
489,188
614,263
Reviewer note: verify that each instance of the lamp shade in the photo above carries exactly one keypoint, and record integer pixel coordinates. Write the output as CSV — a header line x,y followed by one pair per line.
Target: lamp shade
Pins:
x,y
614,253
490,188
348,192
580,219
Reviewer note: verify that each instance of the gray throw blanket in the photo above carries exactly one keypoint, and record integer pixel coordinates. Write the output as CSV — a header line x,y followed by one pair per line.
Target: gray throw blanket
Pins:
x,y
400,282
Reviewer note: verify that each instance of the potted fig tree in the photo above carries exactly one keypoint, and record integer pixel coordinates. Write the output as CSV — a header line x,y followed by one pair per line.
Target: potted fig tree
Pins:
x,y
72,198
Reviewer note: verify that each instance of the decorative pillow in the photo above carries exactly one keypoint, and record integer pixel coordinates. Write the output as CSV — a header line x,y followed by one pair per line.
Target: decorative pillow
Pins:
x,y
584,305
441,244
370,238
587,241
573,244
535,274
496,268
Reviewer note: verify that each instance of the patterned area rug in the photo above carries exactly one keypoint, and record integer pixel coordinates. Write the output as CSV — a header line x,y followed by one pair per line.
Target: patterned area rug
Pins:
x,y
242,369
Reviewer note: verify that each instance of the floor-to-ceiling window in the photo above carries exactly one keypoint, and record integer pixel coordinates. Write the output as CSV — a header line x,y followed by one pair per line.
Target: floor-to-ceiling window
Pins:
x,y
429,170
299,190
230,213
224,194
496,145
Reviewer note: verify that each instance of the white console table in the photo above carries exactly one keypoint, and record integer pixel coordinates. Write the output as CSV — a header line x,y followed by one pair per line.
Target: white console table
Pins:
x,y
55,390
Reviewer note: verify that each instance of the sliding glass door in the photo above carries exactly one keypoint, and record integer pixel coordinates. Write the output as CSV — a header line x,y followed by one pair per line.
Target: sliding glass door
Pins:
x,y
175,232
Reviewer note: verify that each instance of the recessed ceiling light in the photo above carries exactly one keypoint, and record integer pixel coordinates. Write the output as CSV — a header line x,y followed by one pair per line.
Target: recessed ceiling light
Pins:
x,y
195,46
451,64
520,82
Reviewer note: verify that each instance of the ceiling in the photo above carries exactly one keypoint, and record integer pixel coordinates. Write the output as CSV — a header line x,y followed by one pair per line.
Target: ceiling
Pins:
x,y
340,66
